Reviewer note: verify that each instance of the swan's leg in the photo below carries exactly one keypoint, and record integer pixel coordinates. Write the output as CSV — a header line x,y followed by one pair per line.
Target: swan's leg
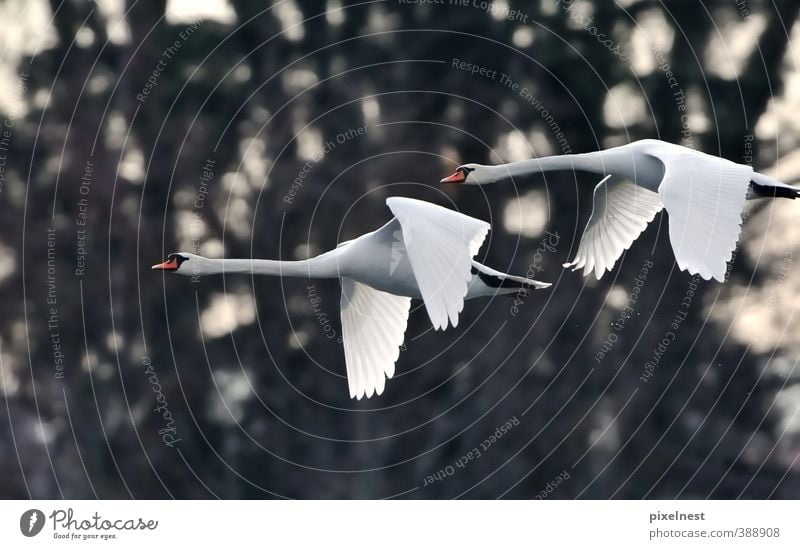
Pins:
x,y
763,186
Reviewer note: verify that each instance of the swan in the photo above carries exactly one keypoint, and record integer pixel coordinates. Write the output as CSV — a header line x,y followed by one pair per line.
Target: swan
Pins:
x,y
425,252
703,195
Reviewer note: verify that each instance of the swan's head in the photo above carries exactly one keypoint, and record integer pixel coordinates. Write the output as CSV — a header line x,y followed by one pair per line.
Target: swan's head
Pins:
x,y
471,174
177,263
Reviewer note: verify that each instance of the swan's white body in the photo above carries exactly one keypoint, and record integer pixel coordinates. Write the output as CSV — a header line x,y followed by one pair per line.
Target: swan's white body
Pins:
x,y
703,195
425,252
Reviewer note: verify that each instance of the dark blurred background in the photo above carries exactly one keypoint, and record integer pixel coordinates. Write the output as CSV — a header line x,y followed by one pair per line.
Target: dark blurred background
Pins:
x,y
134,129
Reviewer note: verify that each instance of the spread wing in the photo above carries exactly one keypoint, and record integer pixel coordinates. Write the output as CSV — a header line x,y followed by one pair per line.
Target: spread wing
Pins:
x,y
704,196
440,244
620,213
373,328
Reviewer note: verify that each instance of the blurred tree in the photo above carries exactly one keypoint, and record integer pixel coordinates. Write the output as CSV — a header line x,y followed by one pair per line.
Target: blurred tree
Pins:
x,y
129,117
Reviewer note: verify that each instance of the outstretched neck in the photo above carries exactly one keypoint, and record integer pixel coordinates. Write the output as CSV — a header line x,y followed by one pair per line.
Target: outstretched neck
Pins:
x,y
322,266
587,162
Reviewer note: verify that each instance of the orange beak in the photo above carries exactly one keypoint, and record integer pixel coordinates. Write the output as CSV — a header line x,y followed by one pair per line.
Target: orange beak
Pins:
x,y
457,177
168,265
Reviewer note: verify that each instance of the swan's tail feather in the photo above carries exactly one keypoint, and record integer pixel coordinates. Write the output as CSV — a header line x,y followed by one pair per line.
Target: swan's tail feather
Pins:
x,y
506,283
763,186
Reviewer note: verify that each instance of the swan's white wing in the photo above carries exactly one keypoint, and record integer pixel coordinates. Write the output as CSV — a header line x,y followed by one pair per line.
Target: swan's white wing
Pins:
x,y
440,244
620,212
373,328
704,196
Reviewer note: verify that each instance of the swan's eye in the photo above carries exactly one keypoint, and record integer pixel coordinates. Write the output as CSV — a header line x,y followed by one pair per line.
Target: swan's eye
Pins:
x,y
177,258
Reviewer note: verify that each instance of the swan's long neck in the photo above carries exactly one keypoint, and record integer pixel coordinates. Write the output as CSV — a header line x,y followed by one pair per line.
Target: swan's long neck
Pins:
x,y
587,162
322,266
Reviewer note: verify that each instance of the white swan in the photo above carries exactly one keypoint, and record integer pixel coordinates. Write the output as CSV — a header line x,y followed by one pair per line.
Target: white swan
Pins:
x,y
425,252
703,195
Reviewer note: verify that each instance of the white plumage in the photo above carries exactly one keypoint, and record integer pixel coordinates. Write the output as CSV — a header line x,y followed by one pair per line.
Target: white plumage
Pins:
x,y
425,252
703,196
441,244
373,329
620,213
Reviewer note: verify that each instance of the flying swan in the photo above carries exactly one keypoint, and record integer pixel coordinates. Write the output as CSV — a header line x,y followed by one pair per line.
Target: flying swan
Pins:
x,y
425,252
703,195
